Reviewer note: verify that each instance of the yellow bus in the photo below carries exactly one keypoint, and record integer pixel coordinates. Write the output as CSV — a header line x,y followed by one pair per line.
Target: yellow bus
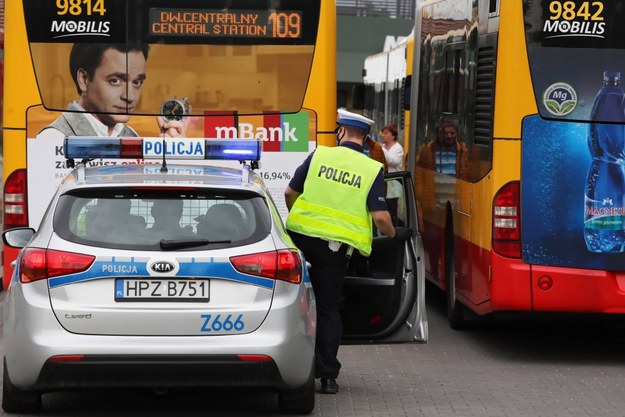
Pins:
x,y
517,149
253,69
250,69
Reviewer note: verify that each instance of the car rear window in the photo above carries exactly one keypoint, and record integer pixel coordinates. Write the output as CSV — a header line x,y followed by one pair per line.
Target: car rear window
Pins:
x,y
142,219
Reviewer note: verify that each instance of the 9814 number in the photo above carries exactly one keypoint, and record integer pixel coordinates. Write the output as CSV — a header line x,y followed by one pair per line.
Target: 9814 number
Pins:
x,y
78,7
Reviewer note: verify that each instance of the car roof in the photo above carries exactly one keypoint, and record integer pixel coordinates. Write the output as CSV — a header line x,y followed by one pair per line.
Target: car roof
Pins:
x,y
151,174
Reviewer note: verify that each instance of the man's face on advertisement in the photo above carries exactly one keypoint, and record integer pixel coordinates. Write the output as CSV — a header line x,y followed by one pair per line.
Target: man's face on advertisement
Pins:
x,y
115,87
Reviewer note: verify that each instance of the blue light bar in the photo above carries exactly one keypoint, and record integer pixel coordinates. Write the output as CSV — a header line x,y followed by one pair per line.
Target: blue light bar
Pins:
x,y
95,147
233,149
153,148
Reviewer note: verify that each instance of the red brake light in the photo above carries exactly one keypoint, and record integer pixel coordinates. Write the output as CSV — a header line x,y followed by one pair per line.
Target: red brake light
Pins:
x,y
66,358
37,264
283,265
507,221
15,202
254,358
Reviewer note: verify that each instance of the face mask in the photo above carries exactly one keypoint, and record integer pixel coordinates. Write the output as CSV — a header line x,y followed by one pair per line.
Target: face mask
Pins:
x,y
339,136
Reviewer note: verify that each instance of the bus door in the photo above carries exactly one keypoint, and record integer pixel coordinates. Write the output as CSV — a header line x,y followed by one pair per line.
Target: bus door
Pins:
x,y
384,294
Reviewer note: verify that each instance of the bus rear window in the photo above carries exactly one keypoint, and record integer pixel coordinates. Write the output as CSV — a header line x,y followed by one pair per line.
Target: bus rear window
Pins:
x,y
574,50
251,58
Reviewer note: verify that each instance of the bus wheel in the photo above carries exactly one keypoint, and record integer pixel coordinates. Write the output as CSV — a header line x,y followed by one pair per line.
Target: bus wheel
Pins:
x,y
455,309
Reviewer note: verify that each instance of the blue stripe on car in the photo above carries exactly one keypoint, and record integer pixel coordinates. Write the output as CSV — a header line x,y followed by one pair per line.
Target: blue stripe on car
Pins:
x,y
208,268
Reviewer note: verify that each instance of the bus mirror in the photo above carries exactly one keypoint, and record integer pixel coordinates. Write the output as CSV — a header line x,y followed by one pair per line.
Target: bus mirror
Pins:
x,y
358,97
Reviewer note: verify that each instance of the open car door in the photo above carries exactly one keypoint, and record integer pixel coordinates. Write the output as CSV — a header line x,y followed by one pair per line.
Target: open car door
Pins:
x,y
384,294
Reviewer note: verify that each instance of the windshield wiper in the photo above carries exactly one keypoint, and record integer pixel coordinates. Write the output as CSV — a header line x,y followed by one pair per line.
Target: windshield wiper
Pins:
x,y
167,244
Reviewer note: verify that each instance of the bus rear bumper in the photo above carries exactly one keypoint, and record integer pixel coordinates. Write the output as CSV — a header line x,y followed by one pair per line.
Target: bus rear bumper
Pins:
x,y
578,290
517,286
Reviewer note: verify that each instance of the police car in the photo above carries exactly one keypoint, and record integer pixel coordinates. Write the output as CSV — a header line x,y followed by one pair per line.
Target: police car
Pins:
x,y
164,275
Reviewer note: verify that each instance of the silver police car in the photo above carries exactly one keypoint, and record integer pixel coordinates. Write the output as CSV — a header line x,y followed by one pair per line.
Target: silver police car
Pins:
x,y
158,276
167,276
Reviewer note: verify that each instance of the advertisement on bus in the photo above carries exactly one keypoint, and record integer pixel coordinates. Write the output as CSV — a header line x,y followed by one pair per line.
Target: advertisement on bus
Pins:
x,y
573,153
222,73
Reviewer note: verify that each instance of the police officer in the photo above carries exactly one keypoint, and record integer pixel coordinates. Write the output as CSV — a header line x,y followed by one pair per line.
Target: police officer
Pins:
x,y
332,199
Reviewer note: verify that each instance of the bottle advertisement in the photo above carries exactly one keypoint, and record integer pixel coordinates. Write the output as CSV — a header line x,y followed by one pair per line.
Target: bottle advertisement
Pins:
x,y
573,152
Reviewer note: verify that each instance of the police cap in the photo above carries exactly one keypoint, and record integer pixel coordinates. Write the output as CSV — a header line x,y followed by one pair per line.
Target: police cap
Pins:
x,y
353,119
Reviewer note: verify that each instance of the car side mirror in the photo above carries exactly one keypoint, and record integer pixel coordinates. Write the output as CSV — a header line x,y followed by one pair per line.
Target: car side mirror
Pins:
x,y
18,238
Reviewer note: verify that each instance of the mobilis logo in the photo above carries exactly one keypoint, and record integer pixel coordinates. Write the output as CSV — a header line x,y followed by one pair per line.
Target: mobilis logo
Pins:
x,y
561,28
67,28
560,99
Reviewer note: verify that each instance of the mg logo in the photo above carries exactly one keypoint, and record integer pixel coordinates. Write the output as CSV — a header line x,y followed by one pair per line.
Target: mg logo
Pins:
x,y
560,99
162,266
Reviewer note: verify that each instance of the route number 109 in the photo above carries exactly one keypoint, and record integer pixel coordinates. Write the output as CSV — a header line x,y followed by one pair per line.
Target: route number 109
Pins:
x,y
80,7
568,10
285,25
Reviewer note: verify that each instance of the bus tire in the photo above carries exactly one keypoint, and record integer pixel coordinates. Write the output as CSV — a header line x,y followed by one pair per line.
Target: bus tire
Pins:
x,y
455,309
15,400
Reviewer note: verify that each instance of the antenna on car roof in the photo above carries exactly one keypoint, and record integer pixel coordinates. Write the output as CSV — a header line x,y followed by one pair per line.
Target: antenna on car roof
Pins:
x,y
164,166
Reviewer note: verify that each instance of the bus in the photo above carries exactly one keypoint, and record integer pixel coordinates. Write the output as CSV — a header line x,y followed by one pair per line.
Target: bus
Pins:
x,y
516,145
238,71
387,86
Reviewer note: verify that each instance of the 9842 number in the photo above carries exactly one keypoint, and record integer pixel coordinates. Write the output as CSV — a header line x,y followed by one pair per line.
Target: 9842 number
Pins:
x,y
568,10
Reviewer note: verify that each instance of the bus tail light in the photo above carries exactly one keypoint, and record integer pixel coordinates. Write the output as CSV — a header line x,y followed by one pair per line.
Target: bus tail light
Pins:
x,y
283,265
15,201
507,221
37,264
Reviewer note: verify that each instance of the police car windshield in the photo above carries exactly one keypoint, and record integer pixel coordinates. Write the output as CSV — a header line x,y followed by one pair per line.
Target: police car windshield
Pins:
x,y
161,219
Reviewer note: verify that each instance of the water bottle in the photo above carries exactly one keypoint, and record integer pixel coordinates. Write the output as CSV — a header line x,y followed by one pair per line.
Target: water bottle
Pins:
x,y
604,215
604,212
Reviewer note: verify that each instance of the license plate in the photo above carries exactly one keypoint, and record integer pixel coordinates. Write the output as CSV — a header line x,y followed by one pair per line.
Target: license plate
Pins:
x,y
128,289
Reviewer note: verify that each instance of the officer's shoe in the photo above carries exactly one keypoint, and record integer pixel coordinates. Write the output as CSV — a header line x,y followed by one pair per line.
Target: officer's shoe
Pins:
x,y
329,386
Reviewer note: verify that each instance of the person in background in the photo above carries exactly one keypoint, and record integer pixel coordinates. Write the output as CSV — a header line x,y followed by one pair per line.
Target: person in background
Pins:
x,y
334,198
393,151
167,215
446,154
394,155
374,151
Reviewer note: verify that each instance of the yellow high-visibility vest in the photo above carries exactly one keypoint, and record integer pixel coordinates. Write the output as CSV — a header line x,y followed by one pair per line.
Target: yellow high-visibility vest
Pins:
x,y
333,205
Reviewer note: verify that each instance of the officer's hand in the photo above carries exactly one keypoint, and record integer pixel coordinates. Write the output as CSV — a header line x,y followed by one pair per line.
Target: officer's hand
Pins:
x,y
403,233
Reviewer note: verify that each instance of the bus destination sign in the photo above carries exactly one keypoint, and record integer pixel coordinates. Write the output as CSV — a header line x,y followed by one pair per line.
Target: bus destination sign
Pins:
x,y
266,24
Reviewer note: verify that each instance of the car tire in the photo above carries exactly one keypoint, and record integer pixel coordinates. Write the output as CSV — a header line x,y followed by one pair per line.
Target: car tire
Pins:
x,y
299,400
15,400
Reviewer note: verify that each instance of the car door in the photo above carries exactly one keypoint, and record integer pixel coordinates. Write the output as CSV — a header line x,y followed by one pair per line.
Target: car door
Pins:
x,y
384,294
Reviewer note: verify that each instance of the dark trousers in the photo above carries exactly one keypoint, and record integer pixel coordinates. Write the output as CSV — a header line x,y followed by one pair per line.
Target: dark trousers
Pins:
x,y
327,274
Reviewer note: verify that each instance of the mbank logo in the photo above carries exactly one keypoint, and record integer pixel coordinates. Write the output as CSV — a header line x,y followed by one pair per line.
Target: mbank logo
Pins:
x,y
278,132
